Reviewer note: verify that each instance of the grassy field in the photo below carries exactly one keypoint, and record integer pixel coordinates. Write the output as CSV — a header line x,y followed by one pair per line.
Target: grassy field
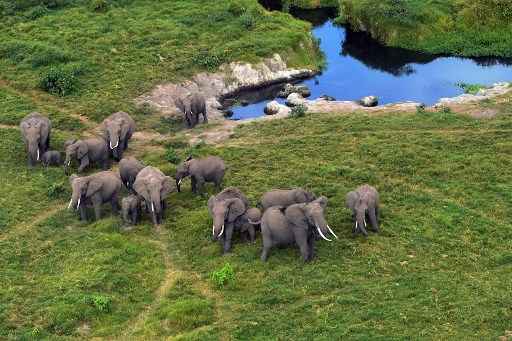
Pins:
x,y
439,270
462,27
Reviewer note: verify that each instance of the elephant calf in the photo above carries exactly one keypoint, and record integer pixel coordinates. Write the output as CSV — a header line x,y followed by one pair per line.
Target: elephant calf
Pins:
x,y
208,169
364,203
227,209
131,209
95,190
286,197
51,158
247,224
296,224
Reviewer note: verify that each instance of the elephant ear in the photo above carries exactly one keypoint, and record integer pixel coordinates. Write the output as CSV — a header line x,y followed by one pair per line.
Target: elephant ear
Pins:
x,y
45,131
300,196
93,187
140,187
297,215
125,126
322,201
236,208
168,186
83,149
351,199
179,104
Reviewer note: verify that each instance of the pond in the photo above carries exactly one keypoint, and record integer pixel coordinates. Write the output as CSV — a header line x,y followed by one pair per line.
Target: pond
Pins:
x,y
358,66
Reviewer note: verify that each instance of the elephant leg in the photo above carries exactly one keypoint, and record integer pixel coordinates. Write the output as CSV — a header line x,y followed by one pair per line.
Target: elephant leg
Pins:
x,y
97,207
83,164
199,184
154,218
311,246
373,220
83,213
205,117
193,183
135,217
252,234
115,204
227,237
301,239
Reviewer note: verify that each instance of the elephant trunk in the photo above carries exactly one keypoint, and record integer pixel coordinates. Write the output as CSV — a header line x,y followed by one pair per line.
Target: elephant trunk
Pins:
x,y
113,141
178,183
218,227
33,150
76,200
155,206
373,219
321,226
361,222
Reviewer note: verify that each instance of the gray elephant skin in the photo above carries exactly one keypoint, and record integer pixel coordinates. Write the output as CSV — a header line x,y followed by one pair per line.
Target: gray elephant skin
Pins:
x,y
35,131
226,208
248,223
96,190
129,168
286,197
296,224
87,152
208,169
154,187
364,203
118,129
131,209
191,107
51,158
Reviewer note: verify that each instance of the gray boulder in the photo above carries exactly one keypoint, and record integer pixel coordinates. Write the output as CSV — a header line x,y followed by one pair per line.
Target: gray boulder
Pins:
x,y
272,108
295,99
369,101
290,88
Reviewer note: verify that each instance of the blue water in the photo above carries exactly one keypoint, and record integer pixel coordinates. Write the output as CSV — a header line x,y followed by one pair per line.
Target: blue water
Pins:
x,y
358,66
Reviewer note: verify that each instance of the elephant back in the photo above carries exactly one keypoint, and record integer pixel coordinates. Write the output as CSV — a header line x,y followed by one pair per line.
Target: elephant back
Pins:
x,y
36,119
232,193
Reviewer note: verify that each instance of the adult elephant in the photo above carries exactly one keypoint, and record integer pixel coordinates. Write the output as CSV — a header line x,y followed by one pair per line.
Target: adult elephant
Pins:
x,y
118,129
208,169
297,224
129,168
286,197
192,106
364,203
226,208
35,131
154,187
87,151
97,189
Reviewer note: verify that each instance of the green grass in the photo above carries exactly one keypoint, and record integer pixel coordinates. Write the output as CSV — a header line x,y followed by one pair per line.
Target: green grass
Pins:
x,y
472,89
124,51
460,27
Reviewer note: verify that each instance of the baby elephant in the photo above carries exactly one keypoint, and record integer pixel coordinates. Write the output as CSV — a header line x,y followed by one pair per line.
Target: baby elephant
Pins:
x,y
208,169
364,203
51,158
131,209
247,224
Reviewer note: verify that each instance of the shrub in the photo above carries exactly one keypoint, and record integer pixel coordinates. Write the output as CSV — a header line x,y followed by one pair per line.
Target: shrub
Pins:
x,y
420,109
36,12
144,109
172,156
298,111
208,59
236,9
223,276
56,190
99,5
248,20
60,81
100,302
470,88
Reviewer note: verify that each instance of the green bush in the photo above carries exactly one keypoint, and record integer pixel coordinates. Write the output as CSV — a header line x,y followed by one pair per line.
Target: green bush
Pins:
x,y
298,111
99,5
208,59
36,12
223,276
172,156
59,81
248,20
470,88
236,9
100,302
56,190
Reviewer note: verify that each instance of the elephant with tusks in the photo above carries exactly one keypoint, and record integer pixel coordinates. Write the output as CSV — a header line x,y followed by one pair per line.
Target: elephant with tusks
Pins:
x,y
118,129
35,131
364,203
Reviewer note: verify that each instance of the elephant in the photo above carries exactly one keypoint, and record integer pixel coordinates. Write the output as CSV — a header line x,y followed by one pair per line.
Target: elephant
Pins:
x,y
226,208
295,224
51,158
364,203
129,167
191,107
35,131
118,129
154,187
286,197
95,190
247,224
92,150
208,169
131,209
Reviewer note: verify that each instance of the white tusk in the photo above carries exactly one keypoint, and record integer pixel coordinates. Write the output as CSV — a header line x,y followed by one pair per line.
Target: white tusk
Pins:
x,y
364,220
253,222
221,231
70,202
152,207
213,230
78,205
179,181
322,235
69,162
37,154
330,230
357,225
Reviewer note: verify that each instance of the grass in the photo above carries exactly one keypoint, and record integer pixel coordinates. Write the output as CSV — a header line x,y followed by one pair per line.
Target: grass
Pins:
x,y
124,50
472,89
460,27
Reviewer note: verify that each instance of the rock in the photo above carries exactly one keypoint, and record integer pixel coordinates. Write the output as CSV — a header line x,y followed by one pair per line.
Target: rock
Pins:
x,y
244,103
295,99
328,98
290,88
369,101
272,108
227,112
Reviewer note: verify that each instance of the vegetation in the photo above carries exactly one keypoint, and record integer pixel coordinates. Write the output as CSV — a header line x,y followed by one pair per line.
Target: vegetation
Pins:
x,y
460,27
470,88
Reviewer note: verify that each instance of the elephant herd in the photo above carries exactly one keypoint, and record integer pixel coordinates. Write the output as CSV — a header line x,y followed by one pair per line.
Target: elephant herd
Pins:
x,y
283,216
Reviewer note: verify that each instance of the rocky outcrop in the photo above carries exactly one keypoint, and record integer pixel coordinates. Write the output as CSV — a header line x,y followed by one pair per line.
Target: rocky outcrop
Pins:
x,y
288,89
496,89
229,80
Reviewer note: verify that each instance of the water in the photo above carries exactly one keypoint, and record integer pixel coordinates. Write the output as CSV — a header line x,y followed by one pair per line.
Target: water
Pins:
x,y
359,66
